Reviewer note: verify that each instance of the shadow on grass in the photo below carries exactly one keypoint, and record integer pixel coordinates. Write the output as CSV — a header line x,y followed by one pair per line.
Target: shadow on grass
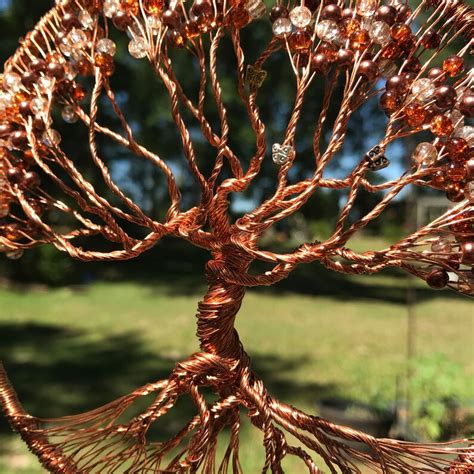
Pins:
x,y
59,372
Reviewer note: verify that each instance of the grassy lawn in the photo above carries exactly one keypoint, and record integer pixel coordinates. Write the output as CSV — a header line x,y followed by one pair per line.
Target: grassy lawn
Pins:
x,y
70,350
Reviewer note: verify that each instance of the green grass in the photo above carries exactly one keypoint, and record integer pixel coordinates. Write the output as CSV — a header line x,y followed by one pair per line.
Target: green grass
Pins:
x,y
68,351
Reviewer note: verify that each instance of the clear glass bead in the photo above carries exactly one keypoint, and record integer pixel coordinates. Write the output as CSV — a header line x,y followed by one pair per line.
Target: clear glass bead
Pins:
x,y
138,48
106,45
69,114
327,30
5,99
467,132
38,105
51,138
66,47
15,254
366,7
45,84
77,38
282,27
111,7
469,191
441,246
379,32
70,71
300,16
154,22
387,68
86,19
256,9
12,81
423,89
425,154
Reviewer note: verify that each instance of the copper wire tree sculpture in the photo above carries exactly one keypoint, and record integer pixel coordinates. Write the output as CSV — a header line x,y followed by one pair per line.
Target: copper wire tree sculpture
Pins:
x,y
392,50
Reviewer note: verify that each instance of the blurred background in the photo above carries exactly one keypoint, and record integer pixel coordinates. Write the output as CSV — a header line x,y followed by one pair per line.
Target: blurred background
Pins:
x,y
381,353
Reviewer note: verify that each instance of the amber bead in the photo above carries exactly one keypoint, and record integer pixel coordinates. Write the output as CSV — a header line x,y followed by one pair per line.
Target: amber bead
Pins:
x,y
105,62
397,84
455,192
400,32
389,101
239,17
386,13
430,39
278,11
122,20
130,6
470,169
171,18
437,278
457,148
38,124
391,51
445,96
191,29
78,93
84,67
369,69
11,232
300,40
350,26
438,180
455,172
320,63
153,7
359,40
441,125
329,50
453,65
345,58
415,114
175,39
467,252
466,105
331,12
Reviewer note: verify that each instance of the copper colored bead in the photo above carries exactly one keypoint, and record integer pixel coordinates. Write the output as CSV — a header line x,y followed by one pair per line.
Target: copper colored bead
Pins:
x,y
331,12
300,40
430,39
400,32
239,17
24,108
78,93
55,70
29,79
345,58
70,21
31,180
171,18
201,8
467,252
453,65
38,124
438,180
84,67
391,51
19,139
121,20
415,114
369,69
466,105
455,172
437,75
457,148
445,96
409,45
15,175
105,62
359,40
320,63
389,101
441,125
329,50
437,278
403,13
191,29
455,192
38,65
412,65
386,13
278,11
347,13
397,84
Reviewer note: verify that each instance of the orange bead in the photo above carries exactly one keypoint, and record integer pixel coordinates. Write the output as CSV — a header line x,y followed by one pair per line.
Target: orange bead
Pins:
x,y
239,17
84,67
453,65
415,114
360,40
400,32
441,125
78,93
153,7
300,40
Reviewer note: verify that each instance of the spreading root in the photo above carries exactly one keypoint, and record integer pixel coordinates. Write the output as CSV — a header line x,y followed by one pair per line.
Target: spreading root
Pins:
x,y
103,441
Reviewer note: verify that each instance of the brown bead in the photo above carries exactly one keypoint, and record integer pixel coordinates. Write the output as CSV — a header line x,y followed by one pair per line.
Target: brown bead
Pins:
x,y
467,252
171,19
29,79
153,7
455,192
55,70
38,124
201,8
19,139
457,148
122,20
453,65
438,180
437,279
391,51
329,50
403,13
175,39
415,114
331,12
78,93
31,180
369,69
386,13
345,58
437,75
455,172
38,65
430,39
400,32
409,45
24,108
15,175
445,96
412,64
466,105
389,101
313,5
70,21
441,125
320,63
239,17
278,11
300,40
359,40
5,129
397,84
